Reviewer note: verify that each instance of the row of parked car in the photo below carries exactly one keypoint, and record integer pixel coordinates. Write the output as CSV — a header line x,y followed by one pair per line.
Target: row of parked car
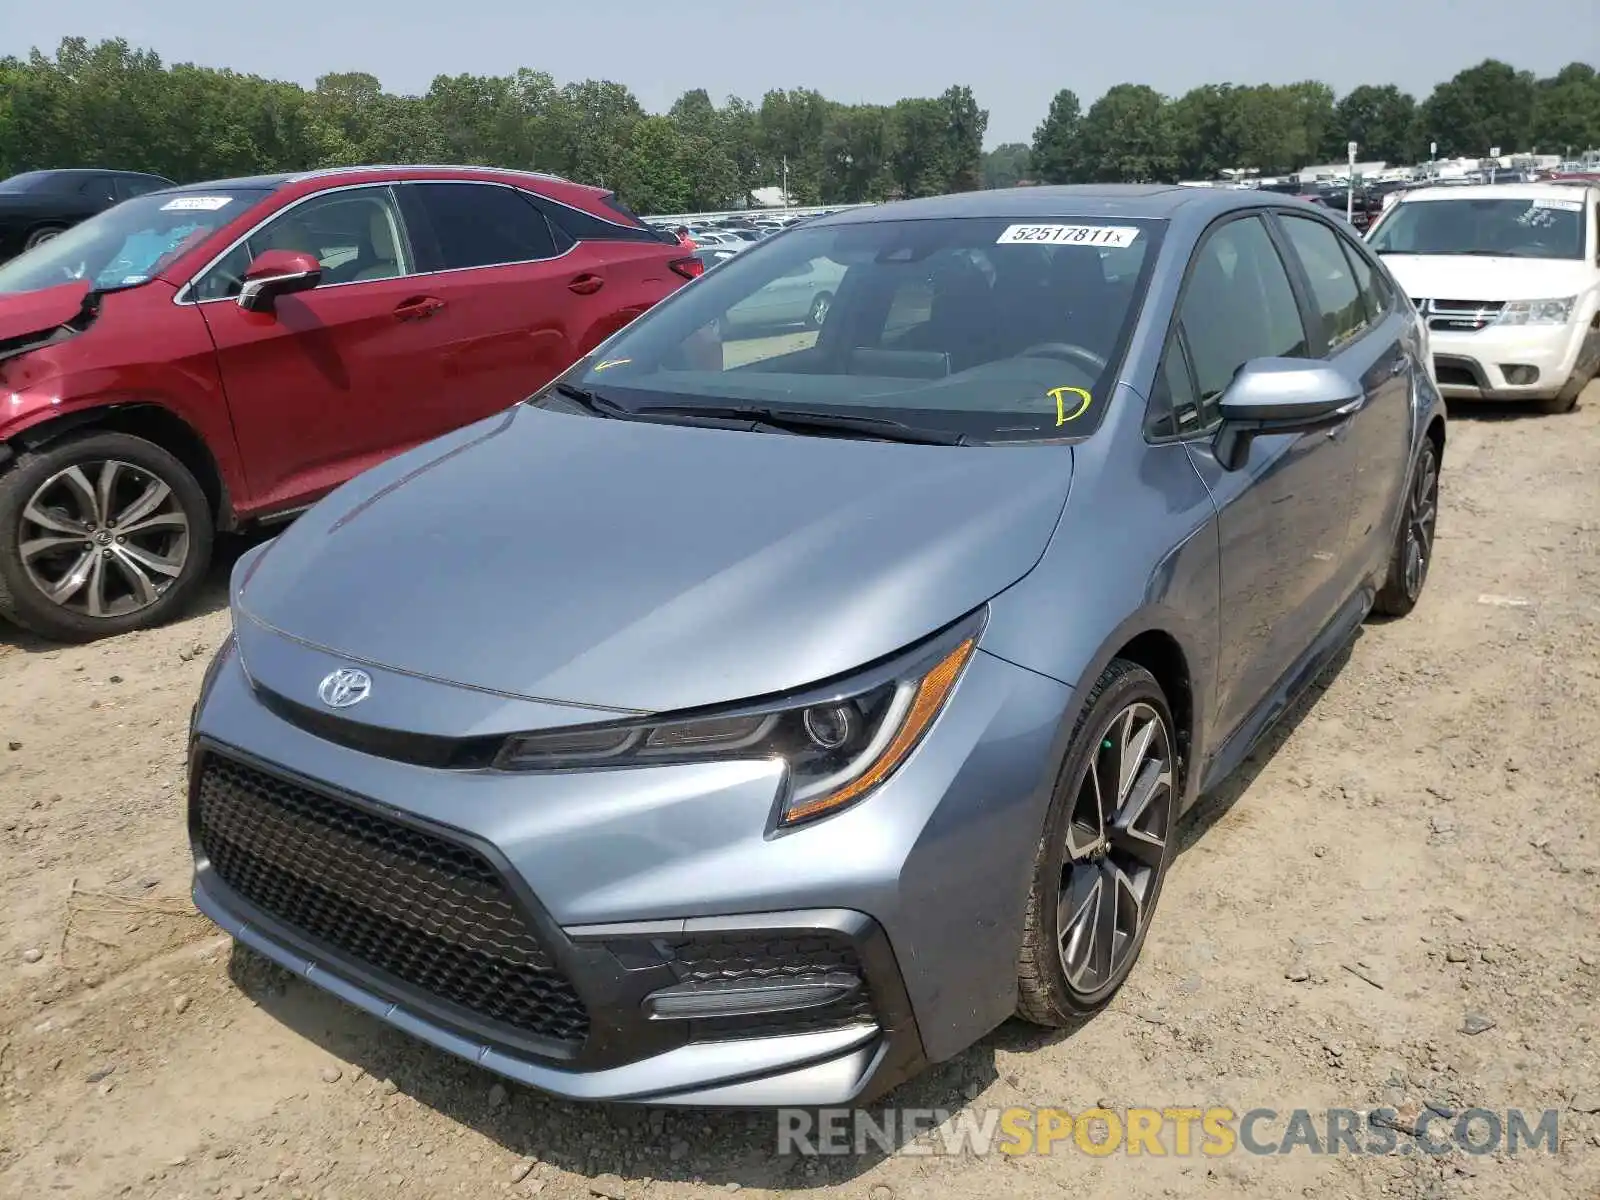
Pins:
x,y
219,355
673,714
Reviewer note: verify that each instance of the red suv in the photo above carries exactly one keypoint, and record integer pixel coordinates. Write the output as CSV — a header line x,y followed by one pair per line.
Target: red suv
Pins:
x,y
219,355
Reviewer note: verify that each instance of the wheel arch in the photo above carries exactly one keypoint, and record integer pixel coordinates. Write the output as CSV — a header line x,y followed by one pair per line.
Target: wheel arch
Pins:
x,y
154,423
1159,646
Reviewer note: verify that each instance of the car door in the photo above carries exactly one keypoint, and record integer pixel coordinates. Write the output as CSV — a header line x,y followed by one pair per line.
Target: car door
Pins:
x,y
1282,517
331,381
512,304
1366,336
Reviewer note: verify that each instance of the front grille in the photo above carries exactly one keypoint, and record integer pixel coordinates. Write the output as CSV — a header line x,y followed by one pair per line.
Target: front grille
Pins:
x,y
418,908
1463,316
702,958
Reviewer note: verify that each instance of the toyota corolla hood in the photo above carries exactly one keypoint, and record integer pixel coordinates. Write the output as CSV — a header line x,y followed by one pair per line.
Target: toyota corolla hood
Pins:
x,y
642,566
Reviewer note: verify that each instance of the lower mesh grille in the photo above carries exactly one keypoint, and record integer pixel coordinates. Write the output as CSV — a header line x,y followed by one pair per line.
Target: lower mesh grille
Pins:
x,y
702,958
425,911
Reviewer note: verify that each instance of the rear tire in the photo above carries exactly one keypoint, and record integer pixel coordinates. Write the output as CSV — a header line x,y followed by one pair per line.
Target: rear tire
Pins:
x,y
1107,842
43,234
100,534
1413,548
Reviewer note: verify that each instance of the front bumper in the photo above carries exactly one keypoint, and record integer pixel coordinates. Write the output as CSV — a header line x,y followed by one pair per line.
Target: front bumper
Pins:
x,y
1527,362
523,923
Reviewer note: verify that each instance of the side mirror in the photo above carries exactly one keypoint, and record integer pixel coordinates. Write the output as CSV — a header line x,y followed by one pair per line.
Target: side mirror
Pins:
x,y
1281,395
277,273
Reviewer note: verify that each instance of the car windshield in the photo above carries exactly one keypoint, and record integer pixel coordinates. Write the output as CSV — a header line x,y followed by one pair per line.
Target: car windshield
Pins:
x,y
1521,227
986,327
129,243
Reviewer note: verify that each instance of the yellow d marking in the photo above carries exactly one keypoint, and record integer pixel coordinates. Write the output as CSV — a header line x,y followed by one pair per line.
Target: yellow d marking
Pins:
x,y
1060,395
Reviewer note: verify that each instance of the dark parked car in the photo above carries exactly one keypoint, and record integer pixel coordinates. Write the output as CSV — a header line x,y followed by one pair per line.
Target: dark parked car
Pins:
x,y
36,206
225,353
751,724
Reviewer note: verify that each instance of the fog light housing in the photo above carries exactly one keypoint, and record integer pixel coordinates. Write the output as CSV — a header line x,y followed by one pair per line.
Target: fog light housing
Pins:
x,y
1519,374
706,999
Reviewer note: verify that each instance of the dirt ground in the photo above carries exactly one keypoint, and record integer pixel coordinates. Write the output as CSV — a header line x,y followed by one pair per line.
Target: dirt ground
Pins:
x,y
1414,856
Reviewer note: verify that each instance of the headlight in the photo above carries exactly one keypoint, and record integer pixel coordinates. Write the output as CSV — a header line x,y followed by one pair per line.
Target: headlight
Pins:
x,y
1537,312
838,744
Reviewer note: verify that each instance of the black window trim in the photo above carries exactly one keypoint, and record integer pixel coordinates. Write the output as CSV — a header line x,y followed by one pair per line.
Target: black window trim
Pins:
x,y
1264,214
1310,310
183,295
525,196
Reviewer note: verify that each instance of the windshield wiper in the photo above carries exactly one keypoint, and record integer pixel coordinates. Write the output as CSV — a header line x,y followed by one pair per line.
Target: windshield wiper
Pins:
x,y
800,420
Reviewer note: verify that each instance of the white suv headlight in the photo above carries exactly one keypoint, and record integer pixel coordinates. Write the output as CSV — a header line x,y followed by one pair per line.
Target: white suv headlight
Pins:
x,y
1537,312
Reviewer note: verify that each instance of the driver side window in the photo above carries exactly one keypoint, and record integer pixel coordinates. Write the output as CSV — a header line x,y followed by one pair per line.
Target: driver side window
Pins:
x,y
357,235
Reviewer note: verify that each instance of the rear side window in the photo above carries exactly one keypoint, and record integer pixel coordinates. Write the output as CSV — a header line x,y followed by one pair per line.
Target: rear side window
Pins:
x,y
482,225
1238,306
99,189
1334,292
575,225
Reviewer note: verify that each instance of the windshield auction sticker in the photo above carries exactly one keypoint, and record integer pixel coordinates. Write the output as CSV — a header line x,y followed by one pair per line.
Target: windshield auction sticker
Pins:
x,y
1115,236
1563,205
196,203
1071,403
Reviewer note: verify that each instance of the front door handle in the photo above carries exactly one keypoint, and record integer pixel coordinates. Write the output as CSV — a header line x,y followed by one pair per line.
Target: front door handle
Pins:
x,y
418,308
1400,366
586,284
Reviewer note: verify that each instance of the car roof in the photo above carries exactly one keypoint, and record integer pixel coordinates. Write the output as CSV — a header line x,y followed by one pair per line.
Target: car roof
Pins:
x,y
1157,201
375,173
1489,191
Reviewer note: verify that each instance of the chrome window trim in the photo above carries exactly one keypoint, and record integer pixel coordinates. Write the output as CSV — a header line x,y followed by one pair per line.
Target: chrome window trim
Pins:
x,y
182,296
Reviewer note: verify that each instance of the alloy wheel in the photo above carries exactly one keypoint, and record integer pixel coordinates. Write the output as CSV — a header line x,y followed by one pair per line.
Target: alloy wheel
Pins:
x,y
1115,847
1422,515
104,538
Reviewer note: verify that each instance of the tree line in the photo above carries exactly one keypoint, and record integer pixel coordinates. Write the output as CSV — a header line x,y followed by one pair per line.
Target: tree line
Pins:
x,y
112,105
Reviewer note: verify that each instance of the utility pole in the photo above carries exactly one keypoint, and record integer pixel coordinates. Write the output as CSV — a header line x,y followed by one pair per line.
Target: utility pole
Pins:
x,y
786,184
1350,187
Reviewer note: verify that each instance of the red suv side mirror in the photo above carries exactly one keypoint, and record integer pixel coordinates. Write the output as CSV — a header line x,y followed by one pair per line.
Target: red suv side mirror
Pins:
x,y
277,273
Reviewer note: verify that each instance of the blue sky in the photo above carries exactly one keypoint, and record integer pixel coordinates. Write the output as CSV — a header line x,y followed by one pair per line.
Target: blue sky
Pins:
x,y
1014,54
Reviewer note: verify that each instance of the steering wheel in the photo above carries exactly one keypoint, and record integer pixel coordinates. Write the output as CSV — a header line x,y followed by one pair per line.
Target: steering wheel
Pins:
x,y
1068,351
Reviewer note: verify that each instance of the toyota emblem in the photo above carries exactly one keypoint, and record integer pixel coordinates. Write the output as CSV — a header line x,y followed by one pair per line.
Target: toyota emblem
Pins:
x,y
344,687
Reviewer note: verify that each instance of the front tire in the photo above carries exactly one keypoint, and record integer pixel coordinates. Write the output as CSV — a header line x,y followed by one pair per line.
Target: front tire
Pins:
x,y
1412,555
99,535
43,234
1105,850
1566,399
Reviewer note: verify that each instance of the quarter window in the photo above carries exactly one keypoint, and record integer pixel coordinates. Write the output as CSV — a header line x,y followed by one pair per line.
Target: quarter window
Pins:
x,y
1238,306
1334,291
483,225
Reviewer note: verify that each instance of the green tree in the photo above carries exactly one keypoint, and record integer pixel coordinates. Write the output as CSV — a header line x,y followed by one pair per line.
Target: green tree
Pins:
x,y
1128,135
1382,120
1484,106
965,125
1055,142
1008,165
652,175
857,154
1566,111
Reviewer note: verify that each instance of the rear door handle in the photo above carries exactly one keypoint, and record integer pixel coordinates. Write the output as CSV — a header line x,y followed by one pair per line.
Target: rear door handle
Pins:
x,y
586,284
418,308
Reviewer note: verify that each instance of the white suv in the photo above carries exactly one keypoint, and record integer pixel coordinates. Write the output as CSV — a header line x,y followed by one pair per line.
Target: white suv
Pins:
x,y
1507,279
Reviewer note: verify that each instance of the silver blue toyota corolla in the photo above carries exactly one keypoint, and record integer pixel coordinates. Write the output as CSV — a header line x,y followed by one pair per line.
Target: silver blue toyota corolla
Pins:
x,y
768,708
